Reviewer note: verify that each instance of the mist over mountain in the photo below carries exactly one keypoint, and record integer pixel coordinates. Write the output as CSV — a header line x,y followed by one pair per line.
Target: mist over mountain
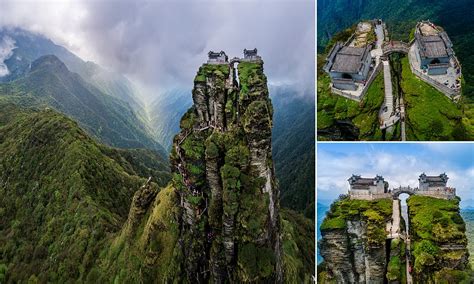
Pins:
x,y
29,46
165,113
48,82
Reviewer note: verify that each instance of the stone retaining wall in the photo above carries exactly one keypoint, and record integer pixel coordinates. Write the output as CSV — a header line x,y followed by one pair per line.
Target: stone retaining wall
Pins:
x,y
347,95
370,196
437,85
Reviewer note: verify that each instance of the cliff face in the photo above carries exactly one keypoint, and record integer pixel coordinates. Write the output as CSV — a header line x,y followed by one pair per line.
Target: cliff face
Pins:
x,y
223,170
349,256
359,245
353,241
439,243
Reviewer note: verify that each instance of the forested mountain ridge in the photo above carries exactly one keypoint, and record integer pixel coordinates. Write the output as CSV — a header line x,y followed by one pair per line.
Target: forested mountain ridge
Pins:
x,y
29,46
49,82
63,194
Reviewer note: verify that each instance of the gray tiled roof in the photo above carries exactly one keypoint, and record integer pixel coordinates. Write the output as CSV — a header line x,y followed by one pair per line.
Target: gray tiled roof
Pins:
x,y
349,59
434,179
434,46
364,181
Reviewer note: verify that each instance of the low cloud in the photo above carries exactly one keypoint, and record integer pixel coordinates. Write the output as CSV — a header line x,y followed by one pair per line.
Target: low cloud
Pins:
x,y
162,43
7,45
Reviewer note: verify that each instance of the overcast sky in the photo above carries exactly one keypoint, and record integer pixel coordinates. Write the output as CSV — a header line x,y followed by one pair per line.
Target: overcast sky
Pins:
x,y
398,163
162,43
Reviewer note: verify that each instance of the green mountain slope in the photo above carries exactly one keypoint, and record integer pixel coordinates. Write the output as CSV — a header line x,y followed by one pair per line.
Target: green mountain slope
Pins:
x,y
293,150
50,83
468,216
63,194
165,113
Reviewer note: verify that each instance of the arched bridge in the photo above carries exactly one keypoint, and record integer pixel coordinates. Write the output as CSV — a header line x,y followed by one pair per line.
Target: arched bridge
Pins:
x,y
403,189
395,46
234,60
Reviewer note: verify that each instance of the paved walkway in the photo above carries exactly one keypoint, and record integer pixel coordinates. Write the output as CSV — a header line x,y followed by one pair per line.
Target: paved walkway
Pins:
x,y
393,227
378,51
387,115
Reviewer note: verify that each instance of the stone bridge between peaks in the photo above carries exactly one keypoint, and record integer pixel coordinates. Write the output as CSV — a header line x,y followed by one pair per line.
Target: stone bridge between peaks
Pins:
x,y
234,60
395,46
403,189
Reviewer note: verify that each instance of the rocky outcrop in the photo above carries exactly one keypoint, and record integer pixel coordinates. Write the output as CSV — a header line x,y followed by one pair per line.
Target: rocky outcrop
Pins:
x,y
353,243
140,203
349,258
222,160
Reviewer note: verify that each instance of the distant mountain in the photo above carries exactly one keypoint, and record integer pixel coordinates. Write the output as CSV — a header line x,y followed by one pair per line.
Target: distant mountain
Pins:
x,y
29,46
293,148
467,204
468,216
48,82
165,113
62,194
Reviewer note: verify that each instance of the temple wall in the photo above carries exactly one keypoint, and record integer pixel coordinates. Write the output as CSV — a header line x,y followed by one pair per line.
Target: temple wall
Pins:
x,y
369,196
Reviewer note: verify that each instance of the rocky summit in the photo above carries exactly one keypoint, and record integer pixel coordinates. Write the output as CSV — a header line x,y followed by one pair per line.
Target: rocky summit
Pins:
x,y
219,220
224,173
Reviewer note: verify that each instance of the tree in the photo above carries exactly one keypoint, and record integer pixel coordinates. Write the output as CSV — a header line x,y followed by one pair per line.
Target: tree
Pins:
x,y
436,127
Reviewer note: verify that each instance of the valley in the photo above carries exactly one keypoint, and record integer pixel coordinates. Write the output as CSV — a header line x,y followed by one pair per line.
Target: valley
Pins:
x,y
79,152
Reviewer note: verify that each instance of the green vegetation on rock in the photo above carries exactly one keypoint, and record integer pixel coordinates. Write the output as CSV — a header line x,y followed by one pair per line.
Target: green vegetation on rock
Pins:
x,y
430,114
438,239
151,249
375,213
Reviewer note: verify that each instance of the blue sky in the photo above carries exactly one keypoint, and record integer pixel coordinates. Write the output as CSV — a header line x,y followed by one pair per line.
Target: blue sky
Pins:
x,y
399,163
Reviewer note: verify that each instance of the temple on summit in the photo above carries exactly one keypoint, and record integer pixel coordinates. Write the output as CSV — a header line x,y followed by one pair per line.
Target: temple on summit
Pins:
x,y
375,188
367,186
217,57
433,48
348,65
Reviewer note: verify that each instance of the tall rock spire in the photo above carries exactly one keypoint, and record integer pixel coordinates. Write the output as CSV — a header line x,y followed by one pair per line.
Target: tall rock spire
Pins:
x,y
223,169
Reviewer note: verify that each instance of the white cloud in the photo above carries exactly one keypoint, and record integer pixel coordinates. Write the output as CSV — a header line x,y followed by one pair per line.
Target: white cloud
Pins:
x,y
7,45
162,43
